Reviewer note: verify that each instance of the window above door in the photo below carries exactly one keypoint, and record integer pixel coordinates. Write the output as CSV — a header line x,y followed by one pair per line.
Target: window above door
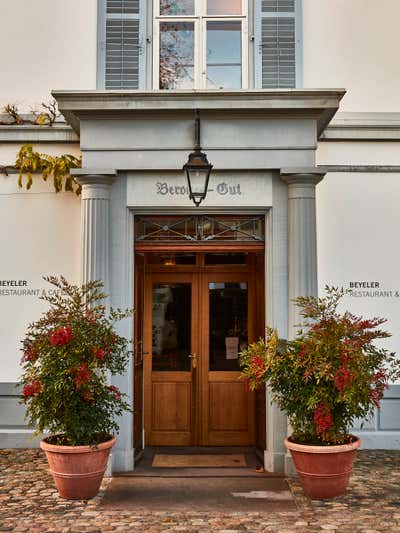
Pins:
x,y
199,44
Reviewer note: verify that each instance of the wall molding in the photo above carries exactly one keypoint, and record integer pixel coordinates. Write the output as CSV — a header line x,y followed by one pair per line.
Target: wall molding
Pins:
x,y
363,127
344,127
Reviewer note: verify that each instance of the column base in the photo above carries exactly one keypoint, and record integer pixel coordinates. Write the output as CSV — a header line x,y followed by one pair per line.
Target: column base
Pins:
x,y
290,469
274,461
122,460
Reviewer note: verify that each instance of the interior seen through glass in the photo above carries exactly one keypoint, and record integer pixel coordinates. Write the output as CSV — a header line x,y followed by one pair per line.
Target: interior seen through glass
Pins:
x,y
228,324
171,327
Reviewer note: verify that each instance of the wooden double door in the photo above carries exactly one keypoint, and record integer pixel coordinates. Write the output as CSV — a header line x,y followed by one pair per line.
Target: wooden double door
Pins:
x,y
195,324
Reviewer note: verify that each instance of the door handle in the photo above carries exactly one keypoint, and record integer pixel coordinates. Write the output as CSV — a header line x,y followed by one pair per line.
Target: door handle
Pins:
x,y
193,357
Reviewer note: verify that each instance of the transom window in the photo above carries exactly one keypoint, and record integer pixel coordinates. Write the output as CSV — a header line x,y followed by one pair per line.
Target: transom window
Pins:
x,y
200,44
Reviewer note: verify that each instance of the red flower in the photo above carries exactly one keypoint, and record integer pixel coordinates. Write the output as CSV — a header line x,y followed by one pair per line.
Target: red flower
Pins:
x,y
61,336
259,366
83,376
32,388
116,392
307,374
99,353
323,418
30,354
343,379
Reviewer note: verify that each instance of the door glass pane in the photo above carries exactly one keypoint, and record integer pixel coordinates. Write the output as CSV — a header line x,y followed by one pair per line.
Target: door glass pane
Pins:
x,y
171,326
171,260
224,7
224,55
228,324
176,7
176,55
225,259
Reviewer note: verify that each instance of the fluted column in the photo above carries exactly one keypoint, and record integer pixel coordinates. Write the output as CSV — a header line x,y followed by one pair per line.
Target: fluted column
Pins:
x,y
302,249
302,238
95,223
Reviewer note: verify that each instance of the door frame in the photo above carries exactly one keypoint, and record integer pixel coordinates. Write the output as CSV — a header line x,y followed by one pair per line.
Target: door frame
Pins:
x,y
199,276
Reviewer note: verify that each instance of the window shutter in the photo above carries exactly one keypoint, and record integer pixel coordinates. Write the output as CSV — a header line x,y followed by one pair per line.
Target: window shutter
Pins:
x,y
122,46
278,44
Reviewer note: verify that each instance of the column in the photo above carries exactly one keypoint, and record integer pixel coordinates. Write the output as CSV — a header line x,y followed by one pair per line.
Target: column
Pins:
x,y
95,229
302,248
95,223
302,238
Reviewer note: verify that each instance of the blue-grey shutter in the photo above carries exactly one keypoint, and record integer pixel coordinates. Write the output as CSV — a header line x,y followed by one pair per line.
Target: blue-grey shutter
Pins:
x,y
122,47
278,41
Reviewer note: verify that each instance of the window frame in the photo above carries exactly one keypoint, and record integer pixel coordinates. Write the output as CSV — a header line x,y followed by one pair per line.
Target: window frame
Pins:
x,y
200,19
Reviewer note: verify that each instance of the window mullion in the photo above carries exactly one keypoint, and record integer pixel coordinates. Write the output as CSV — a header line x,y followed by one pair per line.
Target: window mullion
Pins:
x,y
199,55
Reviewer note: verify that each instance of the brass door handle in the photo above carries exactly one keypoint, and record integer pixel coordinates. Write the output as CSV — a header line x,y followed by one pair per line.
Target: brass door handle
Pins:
x,y
193,357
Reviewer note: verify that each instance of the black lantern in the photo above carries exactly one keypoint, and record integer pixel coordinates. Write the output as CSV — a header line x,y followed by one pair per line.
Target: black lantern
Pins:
x,y
197,169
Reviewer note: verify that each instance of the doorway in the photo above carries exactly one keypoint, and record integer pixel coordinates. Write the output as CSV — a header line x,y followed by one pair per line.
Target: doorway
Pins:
x,y
200,311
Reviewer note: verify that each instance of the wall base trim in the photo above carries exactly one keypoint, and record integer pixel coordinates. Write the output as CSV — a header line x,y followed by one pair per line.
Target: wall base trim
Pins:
x,y
379,440
18,438
122,460
274,461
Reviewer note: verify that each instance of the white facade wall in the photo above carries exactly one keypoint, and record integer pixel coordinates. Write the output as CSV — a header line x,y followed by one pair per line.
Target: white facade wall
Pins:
x,y
45,45
40,235
353,44
350,44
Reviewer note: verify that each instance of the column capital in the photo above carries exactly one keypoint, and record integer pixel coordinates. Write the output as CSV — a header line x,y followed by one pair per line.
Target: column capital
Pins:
x,y
303,175
96,183
302,181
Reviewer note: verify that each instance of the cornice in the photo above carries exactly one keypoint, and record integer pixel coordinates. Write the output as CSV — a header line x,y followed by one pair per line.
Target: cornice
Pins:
x,y
319,104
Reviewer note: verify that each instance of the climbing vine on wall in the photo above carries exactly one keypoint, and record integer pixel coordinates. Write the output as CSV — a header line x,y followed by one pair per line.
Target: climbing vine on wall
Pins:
x,y
57,167
30,162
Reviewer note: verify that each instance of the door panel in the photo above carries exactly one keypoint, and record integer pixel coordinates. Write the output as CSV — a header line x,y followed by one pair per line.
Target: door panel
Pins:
x,y
170,340
227,318
196,323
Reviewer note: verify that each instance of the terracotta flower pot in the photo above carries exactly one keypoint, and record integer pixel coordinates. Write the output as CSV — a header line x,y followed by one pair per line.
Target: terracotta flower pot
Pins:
x,y
324,470
77,470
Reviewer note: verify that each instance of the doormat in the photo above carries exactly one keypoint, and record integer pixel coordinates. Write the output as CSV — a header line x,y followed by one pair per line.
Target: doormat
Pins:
x,y
162,460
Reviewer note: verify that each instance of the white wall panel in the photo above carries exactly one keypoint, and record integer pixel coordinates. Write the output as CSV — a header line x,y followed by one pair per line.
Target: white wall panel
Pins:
x,y
40,235
45,45
353,44
358,224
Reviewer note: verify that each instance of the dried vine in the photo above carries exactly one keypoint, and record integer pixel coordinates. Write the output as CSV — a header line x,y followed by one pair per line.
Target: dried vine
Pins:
x,y
46,117
58,167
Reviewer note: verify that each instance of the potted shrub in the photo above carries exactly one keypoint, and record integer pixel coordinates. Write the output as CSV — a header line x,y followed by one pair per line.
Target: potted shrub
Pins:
x,y
328,377
68,355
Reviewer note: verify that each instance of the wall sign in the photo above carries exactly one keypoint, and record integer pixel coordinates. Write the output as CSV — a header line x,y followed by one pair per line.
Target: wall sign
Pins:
x,y
372,289
236,189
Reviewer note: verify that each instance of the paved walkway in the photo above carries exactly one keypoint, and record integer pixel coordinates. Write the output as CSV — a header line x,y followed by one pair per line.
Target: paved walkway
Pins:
x,y
29,503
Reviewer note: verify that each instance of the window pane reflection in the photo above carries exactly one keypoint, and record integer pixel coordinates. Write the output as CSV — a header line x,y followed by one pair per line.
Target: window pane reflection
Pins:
x,y
224,7
171,327
176,55
224,55
228,324
176,7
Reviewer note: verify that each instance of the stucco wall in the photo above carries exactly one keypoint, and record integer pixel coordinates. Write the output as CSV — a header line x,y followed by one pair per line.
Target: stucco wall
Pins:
x,y
353,44
45,45
51,44
40,235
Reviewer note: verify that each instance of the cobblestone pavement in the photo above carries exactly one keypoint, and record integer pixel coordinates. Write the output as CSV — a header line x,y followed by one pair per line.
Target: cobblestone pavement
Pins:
x,y
29,503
